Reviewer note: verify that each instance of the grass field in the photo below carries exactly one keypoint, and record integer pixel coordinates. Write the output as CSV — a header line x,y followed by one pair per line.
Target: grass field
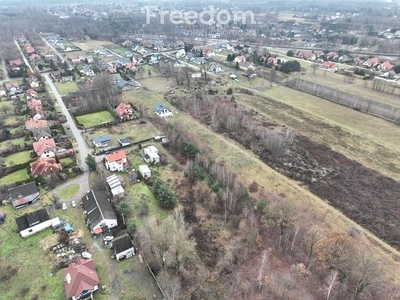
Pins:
x,y
69,191
66,87
119,50
95,119
12,120
17,158
17,176
90,45
4,145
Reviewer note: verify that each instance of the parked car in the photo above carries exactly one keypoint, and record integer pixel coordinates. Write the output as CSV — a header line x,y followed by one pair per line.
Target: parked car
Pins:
x,y
64,206
73,203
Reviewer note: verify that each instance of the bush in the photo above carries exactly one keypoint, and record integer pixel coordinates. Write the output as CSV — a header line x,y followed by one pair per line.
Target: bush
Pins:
x,y
262,205
229,91
142,209
132,224
290,53
163,193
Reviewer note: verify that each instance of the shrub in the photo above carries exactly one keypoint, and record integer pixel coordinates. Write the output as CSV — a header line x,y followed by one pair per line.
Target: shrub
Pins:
x,y
165,196
229,91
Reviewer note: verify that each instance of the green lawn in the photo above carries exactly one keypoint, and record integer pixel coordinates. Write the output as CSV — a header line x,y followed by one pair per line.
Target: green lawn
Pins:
x,y
66,87
32,264
4,145
12,120
119,50
17,158
95,119
69,191
16,176
67,162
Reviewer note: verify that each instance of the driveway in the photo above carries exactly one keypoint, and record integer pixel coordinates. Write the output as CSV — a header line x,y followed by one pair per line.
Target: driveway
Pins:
x,y
83,150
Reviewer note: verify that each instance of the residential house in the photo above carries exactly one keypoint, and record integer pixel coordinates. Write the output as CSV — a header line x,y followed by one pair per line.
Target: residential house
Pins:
x,y
196,75
128,54
124,85
99,212
80,279
189,56
22,195
181,53
45,148
34,222
151,155
34,106
131,66
344,59
89,59
233,76
246,66
199,60
115,185
124,142
215,67
329,66
208,52
162,111
127,43
30,124
179,44
371,62
123,247
41,133
16,63
116,161
385,66
45,166
240,58
55,75
332,55
124,111
3,92
31,93
307,55
33,82
12,88
87,71
123,61
101,141
144,170
75,60
28,48
273,61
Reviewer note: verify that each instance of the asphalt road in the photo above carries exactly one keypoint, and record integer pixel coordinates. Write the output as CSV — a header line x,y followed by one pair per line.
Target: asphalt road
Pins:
x,y
83,150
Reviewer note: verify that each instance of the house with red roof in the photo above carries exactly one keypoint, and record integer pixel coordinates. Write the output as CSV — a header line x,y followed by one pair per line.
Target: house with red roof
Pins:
x,y
332,55
371,62
385,66
28,48
45,148
124,111
307,55
80,279
116,161
272,61
240,58
329,66
35,107
16,62
30,124
45,166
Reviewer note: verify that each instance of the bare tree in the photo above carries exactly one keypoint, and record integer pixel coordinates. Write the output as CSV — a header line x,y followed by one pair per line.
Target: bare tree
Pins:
x,y
260,274
333,281
369,274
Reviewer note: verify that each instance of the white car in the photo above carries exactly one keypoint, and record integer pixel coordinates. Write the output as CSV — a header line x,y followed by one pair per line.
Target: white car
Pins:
x,y
73,203
64,206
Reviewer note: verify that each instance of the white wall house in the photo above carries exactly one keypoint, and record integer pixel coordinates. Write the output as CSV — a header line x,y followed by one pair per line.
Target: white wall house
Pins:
x,y
144,171
116,161
123,247
162,111
151,155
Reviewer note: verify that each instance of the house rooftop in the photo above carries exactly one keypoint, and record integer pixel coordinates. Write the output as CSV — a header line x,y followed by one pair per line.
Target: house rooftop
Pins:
x,y
19,193
101,139
122,243
115,156
32,219
97,207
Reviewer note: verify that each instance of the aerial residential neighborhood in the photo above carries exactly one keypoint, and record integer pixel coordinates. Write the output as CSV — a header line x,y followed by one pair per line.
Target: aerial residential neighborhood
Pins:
x,y
149,153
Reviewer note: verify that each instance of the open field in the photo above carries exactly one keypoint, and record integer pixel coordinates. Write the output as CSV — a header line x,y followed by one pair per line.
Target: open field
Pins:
x,y
16,176
4,145
119,49
94,119
90,45
69,191
66,87
17,158
12,120
248,167
287,16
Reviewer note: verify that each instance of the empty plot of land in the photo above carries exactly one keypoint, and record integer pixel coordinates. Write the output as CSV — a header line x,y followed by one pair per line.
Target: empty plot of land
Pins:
x,y
17,158
66,87
90,45
95,119
14,177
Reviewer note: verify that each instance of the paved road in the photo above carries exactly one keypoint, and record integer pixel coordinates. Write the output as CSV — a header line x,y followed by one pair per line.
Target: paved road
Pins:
x,y
23,56
83,150
57,53
82,181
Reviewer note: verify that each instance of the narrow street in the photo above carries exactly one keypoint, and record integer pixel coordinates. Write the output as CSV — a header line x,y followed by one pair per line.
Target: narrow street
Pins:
x,y
5,72
23,56
83,150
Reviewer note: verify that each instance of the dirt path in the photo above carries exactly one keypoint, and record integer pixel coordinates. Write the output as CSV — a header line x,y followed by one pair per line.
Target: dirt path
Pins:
x,y
115,286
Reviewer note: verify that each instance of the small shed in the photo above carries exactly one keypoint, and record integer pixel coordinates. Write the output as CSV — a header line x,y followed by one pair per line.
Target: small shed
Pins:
x,y
123,246
144,171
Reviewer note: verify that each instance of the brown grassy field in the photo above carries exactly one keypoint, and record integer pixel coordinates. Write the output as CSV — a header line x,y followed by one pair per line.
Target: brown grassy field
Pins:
x,y
248,167
90,45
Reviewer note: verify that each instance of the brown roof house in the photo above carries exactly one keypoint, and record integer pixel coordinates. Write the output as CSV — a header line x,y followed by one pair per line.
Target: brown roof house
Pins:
x,y
80,279
30,124
45,148
124,111
45,166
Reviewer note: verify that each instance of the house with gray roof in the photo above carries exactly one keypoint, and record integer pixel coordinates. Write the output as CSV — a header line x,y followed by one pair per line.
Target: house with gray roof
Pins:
x,y
101,141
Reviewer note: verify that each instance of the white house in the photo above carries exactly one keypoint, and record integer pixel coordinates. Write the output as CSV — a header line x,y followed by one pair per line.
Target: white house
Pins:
x,y
116,161
34,222
144,171
87,71
101,141
215,67
99,212
181,53
123,247
162,111
151,155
